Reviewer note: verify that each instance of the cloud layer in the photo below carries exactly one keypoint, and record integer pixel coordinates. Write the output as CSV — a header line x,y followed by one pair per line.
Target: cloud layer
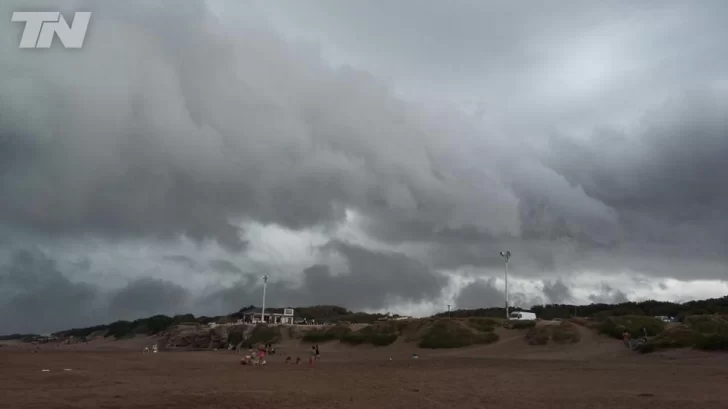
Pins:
x,y
594,146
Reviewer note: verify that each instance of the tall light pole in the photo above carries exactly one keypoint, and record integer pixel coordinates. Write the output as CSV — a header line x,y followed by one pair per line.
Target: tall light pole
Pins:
x,y
265,283
448,311
506,256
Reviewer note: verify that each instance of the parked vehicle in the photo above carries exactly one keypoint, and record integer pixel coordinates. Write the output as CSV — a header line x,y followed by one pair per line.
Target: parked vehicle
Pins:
x,y
522,316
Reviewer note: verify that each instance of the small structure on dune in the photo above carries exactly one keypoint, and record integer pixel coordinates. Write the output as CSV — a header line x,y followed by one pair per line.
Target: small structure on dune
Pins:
x,y
272,315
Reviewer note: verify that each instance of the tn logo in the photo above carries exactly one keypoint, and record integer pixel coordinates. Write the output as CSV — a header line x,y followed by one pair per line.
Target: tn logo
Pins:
x,y
41,26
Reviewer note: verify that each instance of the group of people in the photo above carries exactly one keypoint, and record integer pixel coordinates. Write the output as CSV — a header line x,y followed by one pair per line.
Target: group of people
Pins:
x,y
258,358
627,337
315,355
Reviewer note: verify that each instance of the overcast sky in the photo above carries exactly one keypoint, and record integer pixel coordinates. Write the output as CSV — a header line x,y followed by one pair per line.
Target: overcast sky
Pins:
x,y
376,155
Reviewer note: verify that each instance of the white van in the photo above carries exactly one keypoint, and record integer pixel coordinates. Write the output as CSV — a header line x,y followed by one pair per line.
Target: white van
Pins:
x,y
522,316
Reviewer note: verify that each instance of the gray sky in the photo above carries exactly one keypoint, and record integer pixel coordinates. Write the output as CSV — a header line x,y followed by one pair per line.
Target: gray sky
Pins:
x,y
376,155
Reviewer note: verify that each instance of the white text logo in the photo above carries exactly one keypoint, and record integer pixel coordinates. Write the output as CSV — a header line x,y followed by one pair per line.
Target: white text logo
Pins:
x,y
40,27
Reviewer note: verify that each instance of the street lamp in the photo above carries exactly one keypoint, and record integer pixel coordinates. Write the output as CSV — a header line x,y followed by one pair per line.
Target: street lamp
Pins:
x,y
448,311
506,256
265,283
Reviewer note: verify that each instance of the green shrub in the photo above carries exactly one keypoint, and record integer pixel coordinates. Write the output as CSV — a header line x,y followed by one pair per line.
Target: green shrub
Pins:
x,y
610,329
263,334
677,337
120,329
447,333
377,335
615,326
482,324
707,324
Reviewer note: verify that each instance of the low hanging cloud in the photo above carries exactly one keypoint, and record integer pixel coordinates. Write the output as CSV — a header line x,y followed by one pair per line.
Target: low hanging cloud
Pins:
x,y
608,295
480,294
35,295
373,280
556,292
148,296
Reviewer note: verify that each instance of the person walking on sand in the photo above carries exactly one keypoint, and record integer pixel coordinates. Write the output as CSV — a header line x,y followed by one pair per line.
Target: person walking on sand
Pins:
x,y
318,353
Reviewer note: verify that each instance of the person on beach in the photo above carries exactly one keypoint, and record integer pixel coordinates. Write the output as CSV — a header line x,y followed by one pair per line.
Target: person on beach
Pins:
x,y
312,358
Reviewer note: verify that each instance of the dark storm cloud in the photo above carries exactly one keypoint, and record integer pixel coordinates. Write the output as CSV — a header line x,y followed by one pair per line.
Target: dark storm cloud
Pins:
x,y
665,181
225,266
148,296
608,295
480,294
182,260
635,194
557,292
373,280
186,139
36,296
171,123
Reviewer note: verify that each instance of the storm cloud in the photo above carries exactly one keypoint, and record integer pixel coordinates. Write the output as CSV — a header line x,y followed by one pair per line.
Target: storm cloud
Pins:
x,y
557,292
36,295
480,294
191,147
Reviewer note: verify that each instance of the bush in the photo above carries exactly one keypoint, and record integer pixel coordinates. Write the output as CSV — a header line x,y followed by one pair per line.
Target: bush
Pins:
x,y
701,332
120,329
614,327
482,324
447,333
154,325
377,335
707,324
263,334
